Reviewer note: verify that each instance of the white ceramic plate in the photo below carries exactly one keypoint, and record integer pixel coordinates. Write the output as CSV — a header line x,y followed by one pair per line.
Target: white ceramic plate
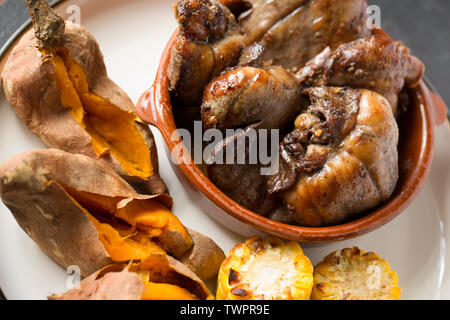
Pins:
x,y
132,35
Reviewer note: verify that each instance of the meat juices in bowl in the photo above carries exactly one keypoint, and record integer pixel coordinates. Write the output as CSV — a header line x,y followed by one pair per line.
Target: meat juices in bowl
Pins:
x,y
326,123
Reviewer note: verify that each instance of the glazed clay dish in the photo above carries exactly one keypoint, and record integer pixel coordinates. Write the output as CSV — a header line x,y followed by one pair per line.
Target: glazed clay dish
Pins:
x,y
425,111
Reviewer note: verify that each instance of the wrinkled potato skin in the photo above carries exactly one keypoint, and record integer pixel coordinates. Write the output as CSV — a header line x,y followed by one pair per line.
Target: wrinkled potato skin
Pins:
x,y
205,257
32,91
31,185
179,274
123,285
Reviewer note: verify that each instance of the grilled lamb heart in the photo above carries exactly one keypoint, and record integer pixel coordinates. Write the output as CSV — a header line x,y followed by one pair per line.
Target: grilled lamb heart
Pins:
x,y
248,95
209,42
376,63
341,159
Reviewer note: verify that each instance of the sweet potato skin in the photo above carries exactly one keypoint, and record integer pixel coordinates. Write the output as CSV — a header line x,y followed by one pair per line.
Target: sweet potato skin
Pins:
x,y
122,285
32,186
205,257
30,87
166,269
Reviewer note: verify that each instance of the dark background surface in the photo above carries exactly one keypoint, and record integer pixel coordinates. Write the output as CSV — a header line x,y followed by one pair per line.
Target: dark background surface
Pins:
x,y
422,25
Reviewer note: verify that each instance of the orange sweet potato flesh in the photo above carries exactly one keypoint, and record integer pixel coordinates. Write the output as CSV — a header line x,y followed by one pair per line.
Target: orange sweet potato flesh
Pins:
x,y
134,228
160,269
165,291
111,129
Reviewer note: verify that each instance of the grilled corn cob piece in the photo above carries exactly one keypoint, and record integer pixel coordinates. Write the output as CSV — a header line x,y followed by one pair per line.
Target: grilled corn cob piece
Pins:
x,y
265,269
353,274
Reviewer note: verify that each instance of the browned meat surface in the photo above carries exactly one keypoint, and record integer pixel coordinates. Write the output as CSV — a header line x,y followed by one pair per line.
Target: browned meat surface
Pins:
x,y
237,59
263,14
283,215
248,95
291,33
311,28
242,182
209,41
252,56
202,21
341,159
376,63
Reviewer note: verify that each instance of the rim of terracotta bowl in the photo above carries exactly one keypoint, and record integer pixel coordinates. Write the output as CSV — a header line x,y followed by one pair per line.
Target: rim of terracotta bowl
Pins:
x,y
154,107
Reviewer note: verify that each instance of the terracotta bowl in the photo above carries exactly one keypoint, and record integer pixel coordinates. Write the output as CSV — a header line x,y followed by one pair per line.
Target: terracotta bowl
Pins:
x,y
417,128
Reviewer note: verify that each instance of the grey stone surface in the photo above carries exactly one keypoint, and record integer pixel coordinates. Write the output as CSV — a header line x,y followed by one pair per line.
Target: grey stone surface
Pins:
x,y
423,25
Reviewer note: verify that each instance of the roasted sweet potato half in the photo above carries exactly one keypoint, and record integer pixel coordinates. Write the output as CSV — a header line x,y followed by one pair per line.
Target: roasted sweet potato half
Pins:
x,y
56,81
80,212
158,278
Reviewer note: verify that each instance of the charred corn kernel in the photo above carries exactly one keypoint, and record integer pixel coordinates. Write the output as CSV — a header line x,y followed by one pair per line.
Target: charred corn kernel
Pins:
x,y
265,269
353,274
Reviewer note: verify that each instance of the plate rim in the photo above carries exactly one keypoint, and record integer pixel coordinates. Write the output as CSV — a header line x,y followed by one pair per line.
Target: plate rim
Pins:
x,y
9,44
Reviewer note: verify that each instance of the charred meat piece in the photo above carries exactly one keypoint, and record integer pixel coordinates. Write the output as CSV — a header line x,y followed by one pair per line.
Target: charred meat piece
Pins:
x,y
341,159
309,29
376,63
209,41
242,181
248,95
